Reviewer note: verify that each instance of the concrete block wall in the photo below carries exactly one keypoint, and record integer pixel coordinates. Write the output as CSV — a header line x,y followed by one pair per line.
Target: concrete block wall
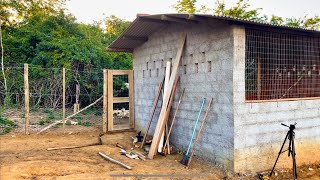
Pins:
x,y
258,135
205,72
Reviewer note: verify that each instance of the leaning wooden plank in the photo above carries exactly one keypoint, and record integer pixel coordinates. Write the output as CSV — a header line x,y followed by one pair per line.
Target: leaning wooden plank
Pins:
x,y
199,133
166,118
160,124
114,161
166,83
60,121
173,119
152,112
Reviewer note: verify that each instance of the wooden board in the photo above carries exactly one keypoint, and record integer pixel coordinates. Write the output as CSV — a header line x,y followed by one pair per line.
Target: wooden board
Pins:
x,y
165,92
160,125
121,99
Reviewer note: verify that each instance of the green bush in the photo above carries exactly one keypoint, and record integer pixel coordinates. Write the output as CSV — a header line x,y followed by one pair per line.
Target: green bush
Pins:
x,y
6,125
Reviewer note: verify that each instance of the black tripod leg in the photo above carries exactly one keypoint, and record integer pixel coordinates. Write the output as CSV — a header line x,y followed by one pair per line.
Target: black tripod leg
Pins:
x,y
279,154
294,166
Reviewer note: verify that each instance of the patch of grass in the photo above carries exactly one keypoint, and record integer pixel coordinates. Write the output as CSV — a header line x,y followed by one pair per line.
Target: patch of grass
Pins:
x,y
87,124
23,116
98,113
48,111
6,125
88,111
34,109
77,117
44,121
7,129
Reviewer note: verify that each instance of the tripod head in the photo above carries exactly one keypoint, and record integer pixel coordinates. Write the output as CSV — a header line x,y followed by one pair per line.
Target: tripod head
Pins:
x,y
291,127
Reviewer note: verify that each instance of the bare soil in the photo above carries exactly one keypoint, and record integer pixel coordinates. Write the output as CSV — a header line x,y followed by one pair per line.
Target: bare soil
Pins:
x,y
26,157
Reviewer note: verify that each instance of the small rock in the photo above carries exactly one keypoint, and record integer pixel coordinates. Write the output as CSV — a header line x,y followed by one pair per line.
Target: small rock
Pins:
x,y
275,173
310,169
70,132
13,136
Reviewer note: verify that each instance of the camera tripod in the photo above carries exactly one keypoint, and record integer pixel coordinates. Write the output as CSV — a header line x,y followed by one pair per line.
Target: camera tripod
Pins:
x,y
291,149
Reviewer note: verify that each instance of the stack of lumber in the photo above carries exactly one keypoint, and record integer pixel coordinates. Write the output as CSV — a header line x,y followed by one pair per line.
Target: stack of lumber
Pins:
x,y
170,85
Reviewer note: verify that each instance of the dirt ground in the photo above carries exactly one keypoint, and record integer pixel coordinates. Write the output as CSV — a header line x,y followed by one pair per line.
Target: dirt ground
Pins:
x,y
26,157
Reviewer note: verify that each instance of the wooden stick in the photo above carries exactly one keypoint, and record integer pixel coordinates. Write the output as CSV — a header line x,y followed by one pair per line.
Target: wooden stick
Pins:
x,y
72,147
26,97
64,98
167,142
60,121
105,101
173,119
152,112
199,133
141,156
114,161
160,125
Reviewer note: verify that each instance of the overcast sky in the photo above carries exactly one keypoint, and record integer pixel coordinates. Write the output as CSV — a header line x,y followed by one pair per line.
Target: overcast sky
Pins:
x,y
88,11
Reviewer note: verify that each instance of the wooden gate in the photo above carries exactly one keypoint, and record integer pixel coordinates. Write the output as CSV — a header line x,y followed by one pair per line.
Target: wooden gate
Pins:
x,y
118,100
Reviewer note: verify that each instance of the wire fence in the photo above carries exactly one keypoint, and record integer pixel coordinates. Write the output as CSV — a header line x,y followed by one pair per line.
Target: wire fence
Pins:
x,y
83,87
281,65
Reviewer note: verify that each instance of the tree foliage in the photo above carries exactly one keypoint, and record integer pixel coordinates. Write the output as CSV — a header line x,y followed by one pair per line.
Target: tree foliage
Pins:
x,y
243,10
186,6
38,32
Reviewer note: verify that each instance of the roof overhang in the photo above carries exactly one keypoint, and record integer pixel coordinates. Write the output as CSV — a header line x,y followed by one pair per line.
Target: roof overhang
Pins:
x,y
144,25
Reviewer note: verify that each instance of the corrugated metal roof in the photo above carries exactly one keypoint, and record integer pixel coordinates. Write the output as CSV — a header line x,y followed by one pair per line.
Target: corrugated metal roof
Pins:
x,y
144,25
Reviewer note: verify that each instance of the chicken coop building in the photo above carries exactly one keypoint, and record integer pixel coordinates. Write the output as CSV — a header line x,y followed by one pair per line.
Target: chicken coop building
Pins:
x,y
259,76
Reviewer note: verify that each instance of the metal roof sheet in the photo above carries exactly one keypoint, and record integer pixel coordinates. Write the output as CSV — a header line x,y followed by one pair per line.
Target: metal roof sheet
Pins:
x,y
144,25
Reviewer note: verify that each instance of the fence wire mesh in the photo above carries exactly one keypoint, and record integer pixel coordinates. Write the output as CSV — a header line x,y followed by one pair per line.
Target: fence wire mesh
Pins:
x,y
46,100
281,65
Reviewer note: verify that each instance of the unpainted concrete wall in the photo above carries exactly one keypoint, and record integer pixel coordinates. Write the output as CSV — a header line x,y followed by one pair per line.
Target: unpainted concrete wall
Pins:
x,y
208,45
258,133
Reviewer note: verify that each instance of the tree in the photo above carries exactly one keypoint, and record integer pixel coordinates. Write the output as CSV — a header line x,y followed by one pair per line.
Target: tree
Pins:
x,y
240,10
115,26
186,6
243,10
15,11
2,60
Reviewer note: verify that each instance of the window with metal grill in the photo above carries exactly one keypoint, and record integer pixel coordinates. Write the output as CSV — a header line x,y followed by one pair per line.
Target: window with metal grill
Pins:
x,y
281,65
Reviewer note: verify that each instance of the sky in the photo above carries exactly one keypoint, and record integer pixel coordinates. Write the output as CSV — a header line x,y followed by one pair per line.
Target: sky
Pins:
x,y
89,11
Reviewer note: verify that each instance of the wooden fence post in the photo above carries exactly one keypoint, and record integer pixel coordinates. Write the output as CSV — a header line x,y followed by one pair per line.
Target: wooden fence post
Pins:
x,y
26,98
64,98
105,100
110,100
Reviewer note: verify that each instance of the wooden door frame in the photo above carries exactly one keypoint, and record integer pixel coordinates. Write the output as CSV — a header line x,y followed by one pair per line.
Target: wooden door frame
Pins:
x,y
108,116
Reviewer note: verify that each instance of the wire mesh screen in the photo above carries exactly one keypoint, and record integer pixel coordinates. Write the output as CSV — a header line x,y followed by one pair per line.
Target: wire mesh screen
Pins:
x,y
84,88
281,65
121,111
12,101
45,97
120,86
